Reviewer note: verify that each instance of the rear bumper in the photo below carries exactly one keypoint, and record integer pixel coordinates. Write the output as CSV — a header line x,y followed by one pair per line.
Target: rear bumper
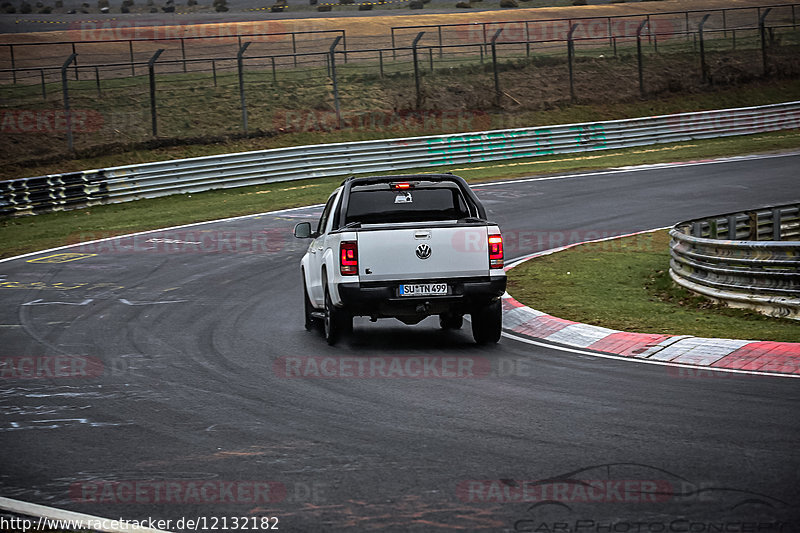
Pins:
x,y
380,299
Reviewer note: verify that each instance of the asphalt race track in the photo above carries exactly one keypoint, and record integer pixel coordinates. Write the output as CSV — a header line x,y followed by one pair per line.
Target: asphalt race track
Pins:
x,y
180,404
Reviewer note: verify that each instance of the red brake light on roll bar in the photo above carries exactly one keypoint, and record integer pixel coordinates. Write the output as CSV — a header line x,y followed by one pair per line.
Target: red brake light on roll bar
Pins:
x,y
496,251
348,258
401,186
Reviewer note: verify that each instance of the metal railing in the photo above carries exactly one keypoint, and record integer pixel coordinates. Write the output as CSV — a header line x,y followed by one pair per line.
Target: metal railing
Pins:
x,y
747,259
150,180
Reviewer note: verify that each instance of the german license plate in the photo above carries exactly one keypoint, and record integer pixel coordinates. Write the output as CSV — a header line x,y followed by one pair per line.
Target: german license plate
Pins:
x,y
423,289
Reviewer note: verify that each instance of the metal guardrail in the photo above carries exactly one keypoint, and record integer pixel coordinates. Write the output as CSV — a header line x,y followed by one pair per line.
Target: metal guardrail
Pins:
x,y
747,259
150,180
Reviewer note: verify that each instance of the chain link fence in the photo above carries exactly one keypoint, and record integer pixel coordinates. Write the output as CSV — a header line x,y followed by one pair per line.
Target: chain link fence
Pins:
x,y
89,95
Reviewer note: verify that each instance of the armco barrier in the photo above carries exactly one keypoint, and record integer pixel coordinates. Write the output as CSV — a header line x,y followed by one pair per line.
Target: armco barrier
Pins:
x,y
150,180
747,259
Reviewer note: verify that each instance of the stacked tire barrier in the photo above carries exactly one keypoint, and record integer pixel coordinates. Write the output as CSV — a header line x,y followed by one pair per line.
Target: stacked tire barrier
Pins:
x,y
747,259
150,180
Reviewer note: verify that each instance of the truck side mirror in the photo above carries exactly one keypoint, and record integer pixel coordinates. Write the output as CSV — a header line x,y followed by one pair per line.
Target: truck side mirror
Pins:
x,y
303,230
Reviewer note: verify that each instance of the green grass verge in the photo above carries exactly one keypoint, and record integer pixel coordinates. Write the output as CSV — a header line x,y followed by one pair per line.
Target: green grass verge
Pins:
x,y
27,234
624,284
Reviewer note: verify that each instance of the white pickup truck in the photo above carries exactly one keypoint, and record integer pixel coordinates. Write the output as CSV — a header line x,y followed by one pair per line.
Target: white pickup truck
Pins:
x,y
404,247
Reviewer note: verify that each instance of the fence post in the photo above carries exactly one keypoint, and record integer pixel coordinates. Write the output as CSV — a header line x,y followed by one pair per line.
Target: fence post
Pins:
x,y
380,60
639,55
76,60
183,54
497,92
703,64
130,50
97,80
394,47
762,28
333,78
440,44
654,35
686,14
240,67
570,59
725,23
294,49
274,72
416,67
214,70
527,40
151,72
44,89
65,89
13,63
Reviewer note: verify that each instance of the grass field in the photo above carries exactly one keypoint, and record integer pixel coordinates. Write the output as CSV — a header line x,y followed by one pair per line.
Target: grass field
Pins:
x,y
624,284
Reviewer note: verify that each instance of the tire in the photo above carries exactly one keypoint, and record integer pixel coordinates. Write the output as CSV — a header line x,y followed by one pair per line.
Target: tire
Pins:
x,y
447,321
337,321
310,321
487,323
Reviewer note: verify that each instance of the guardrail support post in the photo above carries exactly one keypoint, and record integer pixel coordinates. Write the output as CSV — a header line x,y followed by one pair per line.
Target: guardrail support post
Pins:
x,y
763,30
333,78
732,227
776,224
639,56
65,89
240,68
753,221
416,67
570,59
703,64
151,72
497,92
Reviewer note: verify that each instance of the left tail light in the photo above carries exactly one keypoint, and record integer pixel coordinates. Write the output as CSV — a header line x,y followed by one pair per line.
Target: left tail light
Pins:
x,y
348,258
496,251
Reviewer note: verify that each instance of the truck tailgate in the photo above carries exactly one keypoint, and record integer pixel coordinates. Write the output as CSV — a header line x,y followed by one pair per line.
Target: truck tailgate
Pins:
x,y
422,252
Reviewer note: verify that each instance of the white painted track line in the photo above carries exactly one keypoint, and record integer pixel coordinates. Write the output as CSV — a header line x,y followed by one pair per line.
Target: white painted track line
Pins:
x,y
53,514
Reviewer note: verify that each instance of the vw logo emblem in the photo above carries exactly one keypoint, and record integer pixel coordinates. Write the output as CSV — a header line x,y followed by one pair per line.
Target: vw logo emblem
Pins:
x,y
423,251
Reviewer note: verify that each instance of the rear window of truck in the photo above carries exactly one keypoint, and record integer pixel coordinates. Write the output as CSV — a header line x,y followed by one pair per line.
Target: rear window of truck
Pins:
x,y
378,206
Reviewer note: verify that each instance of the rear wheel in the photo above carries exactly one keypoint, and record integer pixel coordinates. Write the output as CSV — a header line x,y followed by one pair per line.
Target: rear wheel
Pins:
x,y
337,321
487,323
